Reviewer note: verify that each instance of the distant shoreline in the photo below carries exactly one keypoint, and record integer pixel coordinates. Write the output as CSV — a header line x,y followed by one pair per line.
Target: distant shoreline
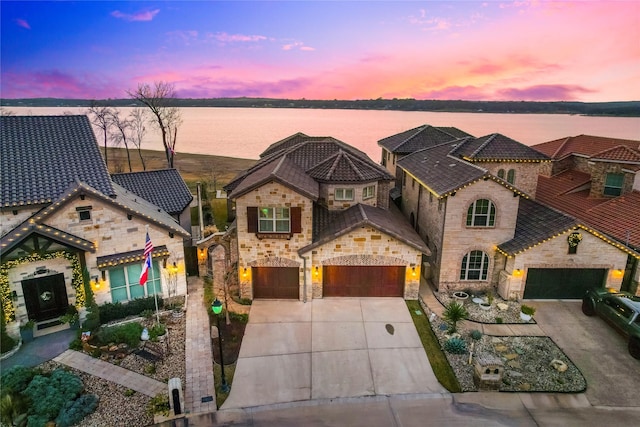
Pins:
x,y
604,109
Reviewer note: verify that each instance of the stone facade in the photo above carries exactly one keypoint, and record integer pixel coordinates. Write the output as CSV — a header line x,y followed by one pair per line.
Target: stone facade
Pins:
x,y
112,232
327,193
599,171
460,239
525,173
592,252
364,246
11,218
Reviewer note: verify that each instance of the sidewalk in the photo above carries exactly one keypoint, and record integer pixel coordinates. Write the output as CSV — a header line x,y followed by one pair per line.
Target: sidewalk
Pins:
x,y
428,298
110,372
199,393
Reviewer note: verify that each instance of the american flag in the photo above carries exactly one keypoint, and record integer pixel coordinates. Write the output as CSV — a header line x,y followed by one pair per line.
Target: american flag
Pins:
x,y
148,248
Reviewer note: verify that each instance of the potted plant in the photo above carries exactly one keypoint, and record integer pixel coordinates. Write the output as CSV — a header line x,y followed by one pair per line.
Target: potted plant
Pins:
x,y
71,317
527,312
26,331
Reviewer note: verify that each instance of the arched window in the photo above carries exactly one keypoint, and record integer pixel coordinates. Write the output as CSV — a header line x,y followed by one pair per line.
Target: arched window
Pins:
x,y
501,174
511,176
481,213
475,265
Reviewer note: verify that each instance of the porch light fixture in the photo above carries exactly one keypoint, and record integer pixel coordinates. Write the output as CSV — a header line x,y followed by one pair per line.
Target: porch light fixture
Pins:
x,y
216,307
14,296
517,272
316,271
244,272
174,268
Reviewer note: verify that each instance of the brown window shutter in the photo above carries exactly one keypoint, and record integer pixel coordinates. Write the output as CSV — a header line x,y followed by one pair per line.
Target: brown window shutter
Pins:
x,y
252,219
296,220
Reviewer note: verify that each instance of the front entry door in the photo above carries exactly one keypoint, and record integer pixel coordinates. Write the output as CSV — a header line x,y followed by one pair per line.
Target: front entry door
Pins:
x,y
45,297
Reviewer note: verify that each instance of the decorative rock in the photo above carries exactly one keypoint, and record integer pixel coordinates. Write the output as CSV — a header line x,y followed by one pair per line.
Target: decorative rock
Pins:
x,y
495,340
514,374
113,348
511,356
519,350
559,365
502,306
501,348
514,364
525,387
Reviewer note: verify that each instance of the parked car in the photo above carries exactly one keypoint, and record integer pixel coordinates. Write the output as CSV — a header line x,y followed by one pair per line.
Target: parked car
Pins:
x,y
620,309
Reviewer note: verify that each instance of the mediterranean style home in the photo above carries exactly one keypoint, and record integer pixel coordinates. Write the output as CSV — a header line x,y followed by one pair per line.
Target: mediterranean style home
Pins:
x,y
472,201
67,226
597,180
313,220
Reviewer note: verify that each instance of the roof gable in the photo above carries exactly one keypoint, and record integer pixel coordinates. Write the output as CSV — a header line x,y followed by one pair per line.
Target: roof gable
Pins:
x,y
421,137
164,188
43,155
619,154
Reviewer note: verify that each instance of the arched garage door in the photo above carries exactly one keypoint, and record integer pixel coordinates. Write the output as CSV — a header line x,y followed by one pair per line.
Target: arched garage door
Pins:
x,y
276,282
363,281
562,283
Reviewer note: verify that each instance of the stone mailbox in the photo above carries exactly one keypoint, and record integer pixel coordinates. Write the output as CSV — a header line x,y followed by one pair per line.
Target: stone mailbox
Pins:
x,y
488,372
176,400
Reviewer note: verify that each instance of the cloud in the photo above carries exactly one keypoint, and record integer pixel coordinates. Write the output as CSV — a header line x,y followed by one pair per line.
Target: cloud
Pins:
x,y
22,23
467,93
232,88
146,15
231,38
298,46
57,84
558,92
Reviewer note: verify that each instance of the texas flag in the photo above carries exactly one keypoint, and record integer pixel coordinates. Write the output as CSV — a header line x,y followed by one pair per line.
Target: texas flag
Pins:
x,y
148,248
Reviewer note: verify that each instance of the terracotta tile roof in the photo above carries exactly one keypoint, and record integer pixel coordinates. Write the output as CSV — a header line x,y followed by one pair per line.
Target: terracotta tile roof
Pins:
x,y
620,154
586,145
164,188
421,137
436,169
43,155
616,217
496,147
329,225
536,223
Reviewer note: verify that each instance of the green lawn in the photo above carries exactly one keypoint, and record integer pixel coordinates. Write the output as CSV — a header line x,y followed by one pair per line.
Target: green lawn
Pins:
x,y
437,359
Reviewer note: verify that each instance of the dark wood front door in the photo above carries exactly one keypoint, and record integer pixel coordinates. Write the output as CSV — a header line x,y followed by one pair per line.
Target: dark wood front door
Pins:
x,y
45,297
276,282
363,281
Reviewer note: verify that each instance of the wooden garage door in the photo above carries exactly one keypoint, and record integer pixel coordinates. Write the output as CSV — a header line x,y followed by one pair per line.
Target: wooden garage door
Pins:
x,y
562,283
363,281
275,282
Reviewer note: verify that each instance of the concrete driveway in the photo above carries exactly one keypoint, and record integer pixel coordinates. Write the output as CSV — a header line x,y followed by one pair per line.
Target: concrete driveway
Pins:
x,y
597,350
329,348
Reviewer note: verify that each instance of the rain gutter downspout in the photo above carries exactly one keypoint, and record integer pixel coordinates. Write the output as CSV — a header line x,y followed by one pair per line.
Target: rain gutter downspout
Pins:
x,y
304,285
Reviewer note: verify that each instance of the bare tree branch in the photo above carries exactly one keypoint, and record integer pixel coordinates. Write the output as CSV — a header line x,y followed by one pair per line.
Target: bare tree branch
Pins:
x,y
138,121
101,117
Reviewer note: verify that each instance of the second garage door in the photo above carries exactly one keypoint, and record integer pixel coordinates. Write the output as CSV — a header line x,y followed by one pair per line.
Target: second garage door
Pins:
x,y
562,283
276,282
363,281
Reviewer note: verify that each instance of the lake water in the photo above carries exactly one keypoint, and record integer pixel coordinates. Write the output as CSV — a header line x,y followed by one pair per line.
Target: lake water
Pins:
x,y
246,132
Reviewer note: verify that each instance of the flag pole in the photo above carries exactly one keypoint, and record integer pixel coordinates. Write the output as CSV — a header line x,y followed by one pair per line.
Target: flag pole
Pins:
x,y
155,289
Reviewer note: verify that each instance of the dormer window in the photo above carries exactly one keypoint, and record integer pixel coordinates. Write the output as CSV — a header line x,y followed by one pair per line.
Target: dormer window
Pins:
x,y
613,184
344,194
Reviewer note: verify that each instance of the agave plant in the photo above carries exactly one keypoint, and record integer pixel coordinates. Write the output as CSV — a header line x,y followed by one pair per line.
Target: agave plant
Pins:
x,y
453,313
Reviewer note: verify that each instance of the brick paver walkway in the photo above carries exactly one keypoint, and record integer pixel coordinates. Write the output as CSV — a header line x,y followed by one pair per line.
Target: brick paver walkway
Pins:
x,y
199,393
110,372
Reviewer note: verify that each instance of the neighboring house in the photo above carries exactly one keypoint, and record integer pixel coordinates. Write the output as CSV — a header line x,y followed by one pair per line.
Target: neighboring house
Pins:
x,y
313,220
469,201
64,220
597,180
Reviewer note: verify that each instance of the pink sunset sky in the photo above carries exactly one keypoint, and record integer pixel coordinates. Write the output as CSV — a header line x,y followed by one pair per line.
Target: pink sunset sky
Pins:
x,y
488,50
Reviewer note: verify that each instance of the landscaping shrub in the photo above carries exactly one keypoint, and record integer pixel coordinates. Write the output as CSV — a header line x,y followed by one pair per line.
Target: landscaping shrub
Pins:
x,y
455,346
156,331
49,394
159,404
74,411
16,379
128,333
475,335
13,408
115,311
453,313
6,342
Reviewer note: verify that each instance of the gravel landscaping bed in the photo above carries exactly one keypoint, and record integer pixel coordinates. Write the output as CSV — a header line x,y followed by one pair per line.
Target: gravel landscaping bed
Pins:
x,y
507,311
527,362
120,407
